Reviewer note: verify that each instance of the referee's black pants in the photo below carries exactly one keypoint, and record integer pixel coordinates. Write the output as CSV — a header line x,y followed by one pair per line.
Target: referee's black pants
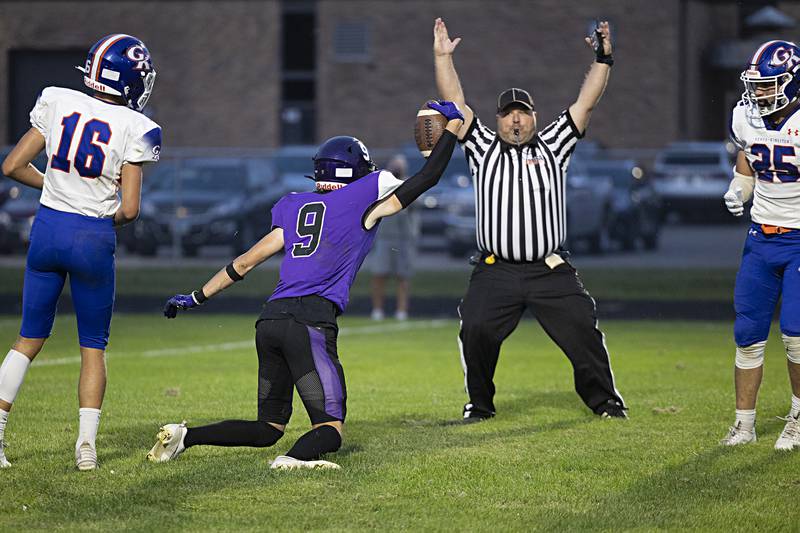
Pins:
x,y
496,298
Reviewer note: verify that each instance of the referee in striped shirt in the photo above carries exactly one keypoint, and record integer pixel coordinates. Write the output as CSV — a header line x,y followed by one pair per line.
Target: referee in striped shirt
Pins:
x,y
520,188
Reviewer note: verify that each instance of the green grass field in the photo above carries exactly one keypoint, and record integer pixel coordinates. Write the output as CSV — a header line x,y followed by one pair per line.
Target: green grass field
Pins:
x,y
544,463
604,283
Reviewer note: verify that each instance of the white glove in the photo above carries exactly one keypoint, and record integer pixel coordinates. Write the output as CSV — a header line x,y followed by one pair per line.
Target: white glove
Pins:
x,y
734,201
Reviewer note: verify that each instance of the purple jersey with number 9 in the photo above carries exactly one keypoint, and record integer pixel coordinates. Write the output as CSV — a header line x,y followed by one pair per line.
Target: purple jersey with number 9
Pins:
x,y
324,237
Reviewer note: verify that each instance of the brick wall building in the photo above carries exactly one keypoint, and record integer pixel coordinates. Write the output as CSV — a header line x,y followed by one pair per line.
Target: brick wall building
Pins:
x,y
221,81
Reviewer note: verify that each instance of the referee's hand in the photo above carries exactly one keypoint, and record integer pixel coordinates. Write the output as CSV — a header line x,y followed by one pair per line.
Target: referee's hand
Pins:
x,y
600,42
442,45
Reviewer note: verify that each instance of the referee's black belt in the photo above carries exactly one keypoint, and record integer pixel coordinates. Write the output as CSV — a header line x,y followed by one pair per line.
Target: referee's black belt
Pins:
x,y
490,259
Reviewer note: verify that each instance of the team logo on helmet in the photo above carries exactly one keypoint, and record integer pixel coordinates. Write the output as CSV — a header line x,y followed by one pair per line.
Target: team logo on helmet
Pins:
x,y
138,54
771,78
780,56
120,65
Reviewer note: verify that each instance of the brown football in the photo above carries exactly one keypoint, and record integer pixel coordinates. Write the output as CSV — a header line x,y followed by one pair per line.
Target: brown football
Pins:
x,y
428,128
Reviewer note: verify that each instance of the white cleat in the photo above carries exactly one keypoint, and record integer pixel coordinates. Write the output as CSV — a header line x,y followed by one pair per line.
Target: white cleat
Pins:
x,y
790,436
86,456
284,462
737,435
3,461
169,444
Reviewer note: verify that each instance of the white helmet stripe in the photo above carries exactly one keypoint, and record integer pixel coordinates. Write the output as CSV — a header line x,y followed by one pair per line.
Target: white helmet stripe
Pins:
x,y
757,55
101,51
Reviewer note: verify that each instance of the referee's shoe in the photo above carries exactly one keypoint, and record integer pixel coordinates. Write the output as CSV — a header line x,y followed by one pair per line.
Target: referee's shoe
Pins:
x,y
611,409
472,415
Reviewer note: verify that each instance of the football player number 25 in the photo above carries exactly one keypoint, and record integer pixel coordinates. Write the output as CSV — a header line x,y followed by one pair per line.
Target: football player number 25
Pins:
x,y
309,224
89,157
770,163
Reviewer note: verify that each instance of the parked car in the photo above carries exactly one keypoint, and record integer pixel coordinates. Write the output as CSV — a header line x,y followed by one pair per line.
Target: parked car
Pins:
x,y
17,212
18,205
634,210
692,177
292,165
589,209
198,202
453,190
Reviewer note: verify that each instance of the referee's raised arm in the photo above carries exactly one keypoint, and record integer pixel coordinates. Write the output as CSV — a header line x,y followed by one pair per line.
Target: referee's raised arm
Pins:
x,y
596,79
447,82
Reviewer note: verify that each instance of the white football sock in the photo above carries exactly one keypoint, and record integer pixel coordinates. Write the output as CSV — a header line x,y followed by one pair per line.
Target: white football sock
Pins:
x,y
3,421
795,412
89,420
747,418
12,373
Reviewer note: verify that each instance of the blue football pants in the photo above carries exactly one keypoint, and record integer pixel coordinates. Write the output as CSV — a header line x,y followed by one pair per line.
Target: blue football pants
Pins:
x,y
770,269
81,247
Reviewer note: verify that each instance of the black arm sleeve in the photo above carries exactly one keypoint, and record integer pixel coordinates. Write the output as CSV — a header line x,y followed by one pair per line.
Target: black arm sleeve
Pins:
x,y
429,174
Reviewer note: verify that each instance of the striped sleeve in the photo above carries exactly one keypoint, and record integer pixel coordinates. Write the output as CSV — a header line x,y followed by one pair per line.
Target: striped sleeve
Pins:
x,y
477,140
561,136
477,145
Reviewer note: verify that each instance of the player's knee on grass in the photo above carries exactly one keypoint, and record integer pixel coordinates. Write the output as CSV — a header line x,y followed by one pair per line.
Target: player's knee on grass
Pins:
x,y
317,442
752,356
792,345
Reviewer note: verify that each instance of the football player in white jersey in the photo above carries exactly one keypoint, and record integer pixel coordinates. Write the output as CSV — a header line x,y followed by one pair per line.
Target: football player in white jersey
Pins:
x,y
765,126
96,146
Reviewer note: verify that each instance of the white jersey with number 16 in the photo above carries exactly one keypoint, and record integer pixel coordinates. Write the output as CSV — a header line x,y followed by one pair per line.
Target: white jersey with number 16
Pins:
x,y
87,142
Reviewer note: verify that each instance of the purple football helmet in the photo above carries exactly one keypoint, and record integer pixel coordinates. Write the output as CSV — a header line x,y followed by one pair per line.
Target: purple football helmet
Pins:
x,y
770,79
120,65
341,160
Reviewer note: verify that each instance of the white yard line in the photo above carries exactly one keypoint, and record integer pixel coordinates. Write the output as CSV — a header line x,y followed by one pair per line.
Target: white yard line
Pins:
x,y
240,345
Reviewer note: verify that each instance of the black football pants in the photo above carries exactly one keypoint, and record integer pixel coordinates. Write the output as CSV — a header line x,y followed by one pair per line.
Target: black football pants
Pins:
x,y
496,298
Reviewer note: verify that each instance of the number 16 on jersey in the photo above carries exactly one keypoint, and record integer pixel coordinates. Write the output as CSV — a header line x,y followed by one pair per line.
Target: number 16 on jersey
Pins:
x,y
89,156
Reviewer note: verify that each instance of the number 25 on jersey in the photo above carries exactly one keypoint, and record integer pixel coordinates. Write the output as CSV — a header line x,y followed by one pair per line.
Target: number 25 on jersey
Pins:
x,y
770,165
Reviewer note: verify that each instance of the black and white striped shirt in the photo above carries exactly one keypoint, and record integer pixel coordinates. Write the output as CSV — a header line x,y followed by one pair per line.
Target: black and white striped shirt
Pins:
x,y
520,193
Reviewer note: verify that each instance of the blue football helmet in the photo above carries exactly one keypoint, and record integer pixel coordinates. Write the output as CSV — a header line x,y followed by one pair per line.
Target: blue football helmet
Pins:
x,y
120,65
342,160
771,78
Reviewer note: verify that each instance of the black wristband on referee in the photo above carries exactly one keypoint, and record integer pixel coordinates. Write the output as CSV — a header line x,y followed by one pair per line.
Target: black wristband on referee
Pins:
x,y
601,56
199,296
235,276
608,60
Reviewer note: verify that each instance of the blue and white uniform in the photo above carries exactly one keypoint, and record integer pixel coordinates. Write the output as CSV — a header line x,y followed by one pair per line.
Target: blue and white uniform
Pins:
x,y
770,262
87,143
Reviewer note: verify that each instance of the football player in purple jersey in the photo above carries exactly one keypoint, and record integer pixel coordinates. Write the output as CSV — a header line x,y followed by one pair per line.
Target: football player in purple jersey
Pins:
x,y
326,235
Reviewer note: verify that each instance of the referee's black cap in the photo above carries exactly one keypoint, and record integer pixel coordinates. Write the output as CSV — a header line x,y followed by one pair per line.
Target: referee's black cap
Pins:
x,y
514,96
